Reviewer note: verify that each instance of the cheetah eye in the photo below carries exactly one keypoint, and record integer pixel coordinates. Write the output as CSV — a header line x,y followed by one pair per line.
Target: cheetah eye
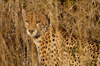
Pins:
x,y
37,22
26,21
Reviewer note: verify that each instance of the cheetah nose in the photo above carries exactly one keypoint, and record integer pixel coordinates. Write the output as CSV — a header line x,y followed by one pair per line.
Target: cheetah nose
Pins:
x,y
31,31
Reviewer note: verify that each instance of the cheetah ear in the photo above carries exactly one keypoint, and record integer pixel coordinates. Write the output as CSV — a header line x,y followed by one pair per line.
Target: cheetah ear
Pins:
x,y
23,14
46,12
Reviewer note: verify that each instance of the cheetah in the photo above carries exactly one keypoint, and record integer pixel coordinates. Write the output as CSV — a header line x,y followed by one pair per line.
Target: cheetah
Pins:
x,y
58,48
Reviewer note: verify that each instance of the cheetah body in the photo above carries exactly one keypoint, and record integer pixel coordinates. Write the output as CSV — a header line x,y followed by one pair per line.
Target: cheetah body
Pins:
x,y
57,48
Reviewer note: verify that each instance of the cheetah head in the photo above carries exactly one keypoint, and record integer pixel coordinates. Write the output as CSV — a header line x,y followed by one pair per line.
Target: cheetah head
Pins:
x,y
35,23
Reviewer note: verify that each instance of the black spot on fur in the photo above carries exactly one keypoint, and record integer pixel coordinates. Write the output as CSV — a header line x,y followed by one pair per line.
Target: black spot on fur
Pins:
x,y
43,59
55,64
51,55
53,39
53,35
46,42
67,40
67,43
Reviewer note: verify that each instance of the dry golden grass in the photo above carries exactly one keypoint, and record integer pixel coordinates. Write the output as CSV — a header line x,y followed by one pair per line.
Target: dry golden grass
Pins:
x,y
78,17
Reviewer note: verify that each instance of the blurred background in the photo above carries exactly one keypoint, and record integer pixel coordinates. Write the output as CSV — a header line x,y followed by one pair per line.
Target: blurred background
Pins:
x,y
80,18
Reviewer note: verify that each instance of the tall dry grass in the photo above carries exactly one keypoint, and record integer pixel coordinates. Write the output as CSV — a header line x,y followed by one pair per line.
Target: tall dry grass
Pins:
x,y
80,18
